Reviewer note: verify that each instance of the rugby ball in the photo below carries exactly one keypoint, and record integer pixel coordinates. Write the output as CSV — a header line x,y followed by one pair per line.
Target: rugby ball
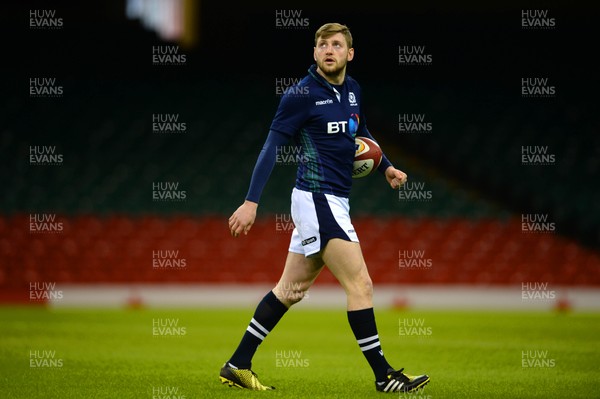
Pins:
x,y
366,158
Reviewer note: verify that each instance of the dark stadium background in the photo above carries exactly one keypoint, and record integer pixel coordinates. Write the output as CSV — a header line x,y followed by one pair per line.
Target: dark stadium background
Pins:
x,y
470,162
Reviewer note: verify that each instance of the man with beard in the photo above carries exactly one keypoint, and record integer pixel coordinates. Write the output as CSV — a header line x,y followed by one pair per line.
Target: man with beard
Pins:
x,y
324,121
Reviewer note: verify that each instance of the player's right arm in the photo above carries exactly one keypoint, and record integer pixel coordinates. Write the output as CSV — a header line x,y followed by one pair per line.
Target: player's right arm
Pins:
x,y
290,115
243,218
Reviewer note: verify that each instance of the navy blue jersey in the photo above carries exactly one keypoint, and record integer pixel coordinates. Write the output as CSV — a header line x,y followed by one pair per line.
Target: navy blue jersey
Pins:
x,y
324,120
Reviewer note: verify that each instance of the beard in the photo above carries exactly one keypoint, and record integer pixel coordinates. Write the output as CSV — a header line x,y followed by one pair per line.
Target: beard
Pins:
x,y
332,71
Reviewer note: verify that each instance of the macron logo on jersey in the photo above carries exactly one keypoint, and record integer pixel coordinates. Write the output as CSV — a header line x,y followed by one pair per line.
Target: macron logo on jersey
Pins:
x,y
324,102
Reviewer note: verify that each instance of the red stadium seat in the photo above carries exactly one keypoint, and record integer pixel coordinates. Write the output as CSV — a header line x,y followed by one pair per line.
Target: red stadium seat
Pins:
x,y
119,249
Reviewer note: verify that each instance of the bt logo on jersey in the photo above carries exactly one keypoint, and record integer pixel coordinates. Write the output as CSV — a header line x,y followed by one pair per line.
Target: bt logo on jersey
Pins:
x,y
336,127
351,125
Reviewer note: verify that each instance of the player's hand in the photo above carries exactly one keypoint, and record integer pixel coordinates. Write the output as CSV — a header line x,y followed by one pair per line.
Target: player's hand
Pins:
x,y
395,177
243,218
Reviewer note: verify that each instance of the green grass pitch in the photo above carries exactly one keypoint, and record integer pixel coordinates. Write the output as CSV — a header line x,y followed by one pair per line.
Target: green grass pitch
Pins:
x,y
150,353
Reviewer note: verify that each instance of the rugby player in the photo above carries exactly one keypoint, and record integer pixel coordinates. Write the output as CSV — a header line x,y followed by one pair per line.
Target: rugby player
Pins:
x,y
324,122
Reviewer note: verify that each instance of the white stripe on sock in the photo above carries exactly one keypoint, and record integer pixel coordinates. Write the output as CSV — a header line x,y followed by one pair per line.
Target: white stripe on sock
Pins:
x,y
373,345
255,333
365,340
261,328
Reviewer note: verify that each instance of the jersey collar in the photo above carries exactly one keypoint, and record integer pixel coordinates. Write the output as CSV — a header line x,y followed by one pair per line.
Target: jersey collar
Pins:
x,y
312,71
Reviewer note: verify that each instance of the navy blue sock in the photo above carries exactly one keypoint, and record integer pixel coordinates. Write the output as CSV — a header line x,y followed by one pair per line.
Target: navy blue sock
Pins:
x,y
268,313
364,328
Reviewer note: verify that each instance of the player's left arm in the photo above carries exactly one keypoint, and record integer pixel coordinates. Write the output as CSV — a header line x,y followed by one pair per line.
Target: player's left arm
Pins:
x,y
395,177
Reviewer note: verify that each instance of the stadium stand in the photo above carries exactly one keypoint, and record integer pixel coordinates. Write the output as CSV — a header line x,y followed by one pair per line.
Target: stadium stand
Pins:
x,y
123,249
102,194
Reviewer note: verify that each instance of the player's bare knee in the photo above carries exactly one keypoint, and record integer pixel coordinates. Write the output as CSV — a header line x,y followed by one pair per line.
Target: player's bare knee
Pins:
x,y
296,296
291,293
364,287
368,287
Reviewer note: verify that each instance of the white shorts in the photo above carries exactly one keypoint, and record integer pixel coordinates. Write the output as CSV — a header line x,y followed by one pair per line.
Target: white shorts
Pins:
x,y
318,218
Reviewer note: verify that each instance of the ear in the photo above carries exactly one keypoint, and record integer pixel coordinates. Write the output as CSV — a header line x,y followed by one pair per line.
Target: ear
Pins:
x,y
350,54
315,53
